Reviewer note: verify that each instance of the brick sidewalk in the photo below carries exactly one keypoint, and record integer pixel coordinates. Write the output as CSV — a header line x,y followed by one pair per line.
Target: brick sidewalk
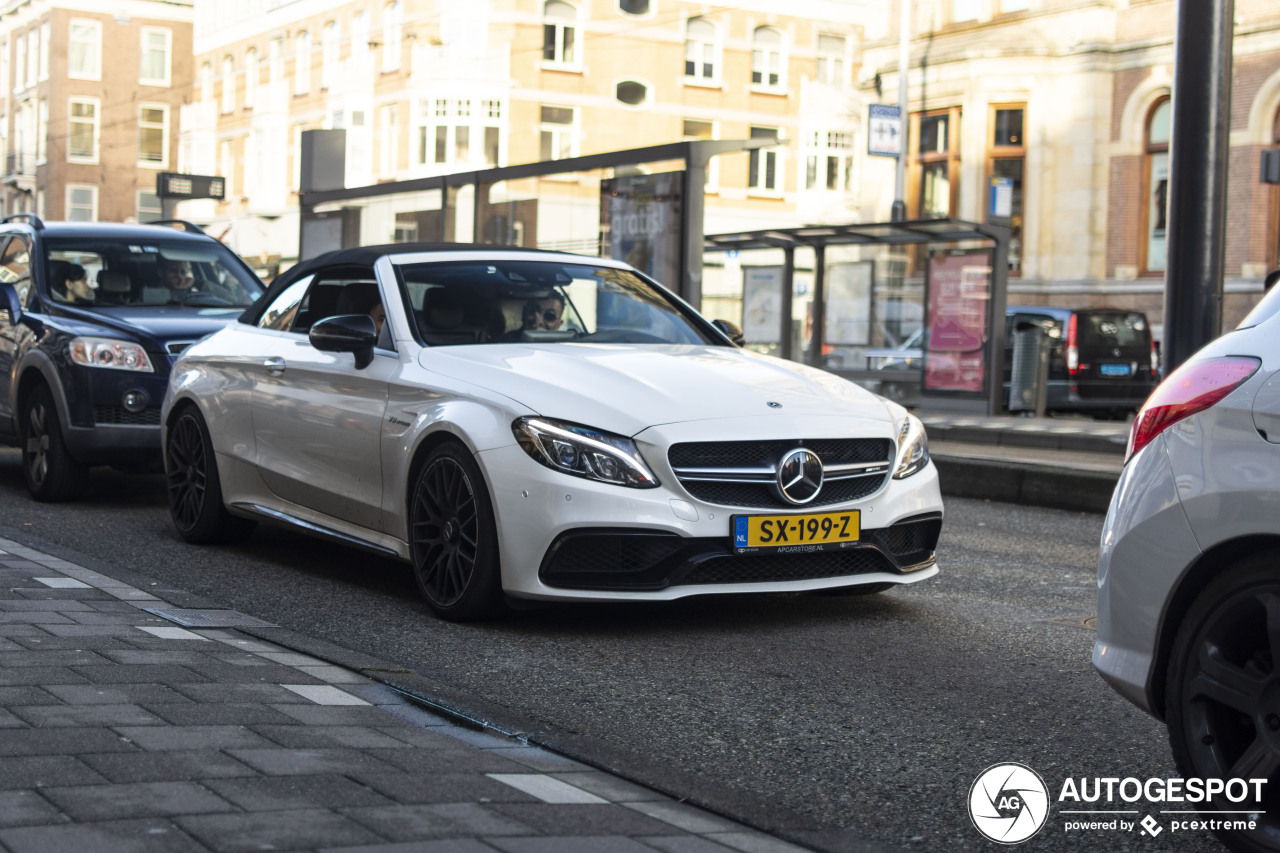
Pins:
x,y
121,731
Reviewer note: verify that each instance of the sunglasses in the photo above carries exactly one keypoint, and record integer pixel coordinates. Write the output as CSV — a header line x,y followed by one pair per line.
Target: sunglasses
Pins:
x,y
549,315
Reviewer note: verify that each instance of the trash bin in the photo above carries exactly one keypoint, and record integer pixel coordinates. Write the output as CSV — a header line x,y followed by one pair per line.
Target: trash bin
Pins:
x,y
1029,372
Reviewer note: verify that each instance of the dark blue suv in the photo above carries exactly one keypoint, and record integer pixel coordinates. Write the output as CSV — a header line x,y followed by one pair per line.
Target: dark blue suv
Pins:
x,y
92,317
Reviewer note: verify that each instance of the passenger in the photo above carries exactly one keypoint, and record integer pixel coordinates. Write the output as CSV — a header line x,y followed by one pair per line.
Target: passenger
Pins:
x,y
379,315
71,284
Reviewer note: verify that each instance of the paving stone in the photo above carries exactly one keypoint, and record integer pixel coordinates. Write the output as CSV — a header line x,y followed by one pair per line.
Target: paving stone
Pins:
x,y
334,715
226,714
448,761
281,830
754,842
9,721
28,605
41,675
436,820
312,737
452,845
73,629
421,738
684,844
609,787
139,800
10,646
684,817
34,617
60,741
480,739
136,657
265,672
161,738
570,844
39,771
50,657
120,694
47,642
195,764
441,787
240,693
295,792
18,630
127,674
308,762
541,759
52,716
26,808
575,819
117,836
26,694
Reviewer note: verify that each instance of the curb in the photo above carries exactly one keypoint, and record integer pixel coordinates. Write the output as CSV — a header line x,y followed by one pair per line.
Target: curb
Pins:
x,y
1033,485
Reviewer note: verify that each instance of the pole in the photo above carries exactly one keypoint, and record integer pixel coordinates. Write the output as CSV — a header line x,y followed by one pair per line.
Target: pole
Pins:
x,y
1199,148
900,175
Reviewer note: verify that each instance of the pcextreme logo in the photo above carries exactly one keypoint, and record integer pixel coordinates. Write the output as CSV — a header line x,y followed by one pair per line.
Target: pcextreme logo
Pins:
x,y
1008,803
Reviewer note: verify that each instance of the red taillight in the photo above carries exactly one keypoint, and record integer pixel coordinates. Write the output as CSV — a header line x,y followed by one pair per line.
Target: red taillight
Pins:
x,y
1073,354
1193,387
1155,360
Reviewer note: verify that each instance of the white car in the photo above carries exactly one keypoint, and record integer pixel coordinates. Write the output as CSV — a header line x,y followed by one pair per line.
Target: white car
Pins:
x,y
540,426
1189,573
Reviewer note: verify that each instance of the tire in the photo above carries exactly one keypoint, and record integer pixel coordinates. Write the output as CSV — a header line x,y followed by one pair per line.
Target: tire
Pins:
x,y
52,474
1222,690
860,589
453,540
195,490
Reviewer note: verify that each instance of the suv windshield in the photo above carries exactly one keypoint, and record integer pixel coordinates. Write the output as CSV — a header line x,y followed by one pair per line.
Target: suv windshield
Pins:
x,y
95,271
476,302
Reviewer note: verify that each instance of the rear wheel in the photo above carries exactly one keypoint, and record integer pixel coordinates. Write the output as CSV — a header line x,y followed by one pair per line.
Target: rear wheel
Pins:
x,y
1223,694
52,474
453,538
195,490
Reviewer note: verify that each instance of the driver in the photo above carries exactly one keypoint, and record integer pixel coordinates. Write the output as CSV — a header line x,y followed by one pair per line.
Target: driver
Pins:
x,y
545,313
177,275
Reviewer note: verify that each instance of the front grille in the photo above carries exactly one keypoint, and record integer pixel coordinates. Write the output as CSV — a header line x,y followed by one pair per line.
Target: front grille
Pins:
x,y
120,416
763,456
615,553
772,568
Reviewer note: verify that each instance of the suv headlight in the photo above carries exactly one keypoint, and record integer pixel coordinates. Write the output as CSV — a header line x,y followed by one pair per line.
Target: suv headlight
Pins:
x,y
113,354
584,452
913,448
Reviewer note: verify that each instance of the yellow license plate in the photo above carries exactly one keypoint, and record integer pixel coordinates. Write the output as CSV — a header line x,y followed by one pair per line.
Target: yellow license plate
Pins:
x,y
819,531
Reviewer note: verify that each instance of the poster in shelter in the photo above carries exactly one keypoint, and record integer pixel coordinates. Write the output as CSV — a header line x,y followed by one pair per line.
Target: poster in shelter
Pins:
x,y
959,291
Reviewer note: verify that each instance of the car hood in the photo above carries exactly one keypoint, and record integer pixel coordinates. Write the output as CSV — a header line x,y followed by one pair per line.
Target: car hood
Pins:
x,y
625,389
162,323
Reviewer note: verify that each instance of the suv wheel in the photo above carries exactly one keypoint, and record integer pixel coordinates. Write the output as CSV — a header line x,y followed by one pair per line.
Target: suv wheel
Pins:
x,y
47,465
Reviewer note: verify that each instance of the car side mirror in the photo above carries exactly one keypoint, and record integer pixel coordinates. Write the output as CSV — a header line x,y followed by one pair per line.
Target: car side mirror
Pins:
x,y
11,302
731,331
353,333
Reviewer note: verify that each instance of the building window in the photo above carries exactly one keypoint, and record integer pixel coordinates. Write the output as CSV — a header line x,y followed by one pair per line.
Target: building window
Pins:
x,y
82,203
392,29
1006,167
829,161
228,84
632,93
329,55
84,51
45,30
764,168
1007,6
700,50
42,131
696,129
556,133
634,7
389,138
1155,185
33,55
20,62
82,136
449,134
157,44
831,62
492,132
250,78
964,10
149,207
302,63
934,164
766,57
559,31
206,82
153,135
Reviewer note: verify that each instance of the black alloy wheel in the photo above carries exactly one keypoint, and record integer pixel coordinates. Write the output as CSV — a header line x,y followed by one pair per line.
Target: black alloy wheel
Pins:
x,y
1223,695
52,474
195,490
453,538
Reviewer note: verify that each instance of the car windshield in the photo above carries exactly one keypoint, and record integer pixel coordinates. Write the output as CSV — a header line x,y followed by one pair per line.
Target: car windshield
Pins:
x,y
496,301
104,272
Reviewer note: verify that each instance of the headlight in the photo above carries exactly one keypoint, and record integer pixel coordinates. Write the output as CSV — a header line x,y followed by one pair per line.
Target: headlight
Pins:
x,y
105,352
913,448
584,452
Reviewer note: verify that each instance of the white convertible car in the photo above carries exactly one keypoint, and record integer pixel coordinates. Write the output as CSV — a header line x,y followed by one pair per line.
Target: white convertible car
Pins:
x,y
537,425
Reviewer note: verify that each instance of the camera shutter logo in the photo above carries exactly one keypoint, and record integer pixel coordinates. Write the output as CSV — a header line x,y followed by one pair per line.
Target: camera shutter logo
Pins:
x,y
1008,803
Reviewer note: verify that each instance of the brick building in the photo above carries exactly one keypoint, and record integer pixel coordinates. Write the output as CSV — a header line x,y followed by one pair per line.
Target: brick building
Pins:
x,y
89,102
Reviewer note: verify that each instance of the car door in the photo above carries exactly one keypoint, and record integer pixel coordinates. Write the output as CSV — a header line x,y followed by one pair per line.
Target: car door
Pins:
x,y
15,258
317,419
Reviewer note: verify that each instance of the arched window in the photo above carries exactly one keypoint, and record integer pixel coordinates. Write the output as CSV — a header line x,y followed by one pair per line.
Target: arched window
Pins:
x,y
392,33
766,57
329,55
559,31
1155,186
250,77
228,84
700,50
302,63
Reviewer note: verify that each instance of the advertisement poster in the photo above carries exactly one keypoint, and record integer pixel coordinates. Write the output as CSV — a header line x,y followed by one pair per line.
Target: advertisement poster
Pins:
x,y
959,290
640,223
761,304
848,317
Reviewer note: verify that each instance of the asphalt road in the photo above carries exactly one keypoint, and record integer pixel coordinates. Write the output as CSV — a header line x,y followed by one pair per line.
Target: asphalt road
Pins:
x,y
845,722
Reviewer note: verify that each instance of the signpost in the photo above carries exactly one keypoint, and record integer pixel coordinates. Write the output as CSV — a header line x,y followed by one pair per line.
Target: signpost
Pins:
x,y
172,187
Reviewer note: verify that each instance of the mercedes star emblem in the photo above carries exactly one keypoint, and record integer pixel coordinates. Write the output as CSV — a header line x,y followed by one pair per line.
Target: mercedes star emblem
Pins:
x,y
800,476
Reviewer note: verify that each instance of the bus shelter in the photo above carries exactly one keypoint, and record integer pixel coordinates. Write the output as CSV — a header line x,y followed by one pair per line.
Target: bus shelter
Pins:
x,y
957,270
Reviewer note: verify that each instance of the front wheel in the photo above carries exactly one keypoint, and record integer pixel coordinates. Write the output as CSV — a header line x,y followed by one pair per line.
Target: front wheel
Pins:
x,y
453,538
52,474
1223,696
195,490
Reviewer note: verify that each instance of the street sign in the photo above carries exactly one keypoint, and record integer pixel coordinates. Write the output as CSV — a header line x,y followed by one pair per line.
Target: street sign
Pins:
x,y
1000,198
174,185
884,131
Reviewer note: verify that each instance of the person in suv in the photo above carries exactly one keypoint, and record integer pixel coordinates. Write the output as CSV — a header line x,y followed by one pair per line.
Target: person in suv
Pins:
x,y
86,360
